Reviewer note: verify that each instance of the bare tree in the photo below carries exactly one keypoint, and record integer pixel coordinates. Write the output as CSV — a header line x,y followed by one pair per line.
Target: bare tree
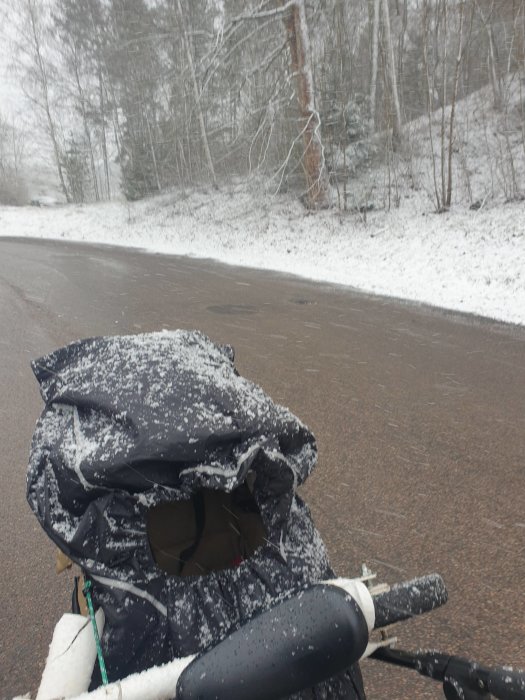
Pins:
x,y
457,68
196,94
313,159
181,92
493,58
373,75
429,63
12,144
73,50
36,69
96,25
392,74
403,11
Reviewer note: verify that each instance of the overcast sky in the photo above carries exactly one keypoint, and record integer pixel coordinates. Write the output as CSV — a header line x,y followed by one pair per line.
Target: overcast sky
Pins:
x,y
11,97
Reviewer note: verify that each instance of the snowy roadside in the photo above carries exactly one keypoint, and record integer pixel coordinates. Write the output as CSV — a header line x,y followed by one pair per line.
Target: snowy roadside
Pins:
x,y
470,261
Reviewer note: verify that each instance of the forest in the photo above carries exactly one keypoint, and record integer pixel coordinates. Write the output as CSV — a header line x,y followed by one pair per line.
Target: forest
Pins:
x,y
139,96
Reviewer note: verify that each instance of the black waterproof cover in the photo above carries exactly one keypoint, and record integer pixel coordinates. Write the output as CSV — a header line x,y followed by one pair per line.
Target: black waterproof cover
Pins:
x,y
134,421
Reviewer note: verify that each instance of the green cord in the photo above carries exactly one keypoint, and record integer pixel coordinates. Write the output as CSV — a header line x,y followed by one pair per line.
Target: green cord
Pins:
x,y
87,594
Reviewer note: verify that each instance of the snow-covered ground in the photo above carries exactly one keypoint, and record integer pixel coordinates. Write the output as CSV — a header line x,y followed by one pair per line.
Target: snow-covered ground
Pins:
x,y
471,261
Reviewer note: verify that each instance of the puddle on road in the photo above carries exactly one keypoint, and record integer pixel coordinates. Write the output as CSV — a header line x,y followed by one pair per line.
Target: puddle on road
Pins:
x,y
301,302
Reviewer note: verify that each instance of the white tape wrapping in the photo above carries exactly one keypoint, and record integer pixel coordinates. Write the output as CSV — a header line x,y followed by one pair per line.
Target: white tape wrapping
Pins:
x,y
360,594
71,657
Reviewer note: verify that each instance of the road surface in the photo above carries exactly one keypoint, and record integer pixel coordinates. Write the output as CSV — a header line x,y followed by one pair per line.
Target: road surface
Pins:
x,y
419,417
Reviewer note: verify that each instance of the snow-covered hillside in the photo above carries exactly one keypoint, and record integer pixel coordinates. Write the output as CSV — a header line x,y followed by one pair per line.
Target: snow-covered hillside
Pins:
x,y
472,261
488,163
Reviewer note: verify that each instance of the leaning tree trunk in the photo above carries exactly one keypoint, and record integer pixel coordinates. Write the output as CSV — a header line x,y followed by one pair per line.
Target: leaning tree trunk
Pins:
x,y
317,195
495,77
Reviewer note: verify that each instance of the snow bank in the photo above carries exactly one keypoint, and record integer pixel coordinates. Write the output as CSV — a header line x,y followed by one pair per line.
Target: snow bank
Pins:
x,y
470,261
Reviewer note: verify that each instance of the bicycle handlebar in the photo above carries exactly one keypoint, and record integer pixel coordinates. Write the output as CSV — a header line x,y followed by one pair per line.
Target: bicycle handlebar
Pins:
x,y
295,645
459,675
304,640
312,637
507,683
410,598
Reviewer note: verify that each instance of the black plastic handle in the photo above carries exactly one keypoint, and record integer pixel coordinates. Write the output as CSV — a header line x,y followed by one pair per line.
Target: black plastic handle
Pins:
x,y
295,645
301,642
461,678
507,683
410,598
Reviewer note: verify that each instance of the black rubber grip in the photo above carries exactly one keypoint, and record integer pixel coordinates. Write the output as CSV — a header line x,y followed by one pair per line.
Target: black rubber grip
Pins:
x,y
408,599
507,683
293,646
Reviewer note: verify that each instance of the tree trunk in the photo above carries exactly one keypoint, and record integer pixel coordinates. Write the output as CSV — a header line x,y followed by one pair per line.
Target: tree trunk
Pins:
x,y
494,70
85,124
373,77
493,59
444,98
153,155
317,193
391,67
102,103
448,199
430,81
401,56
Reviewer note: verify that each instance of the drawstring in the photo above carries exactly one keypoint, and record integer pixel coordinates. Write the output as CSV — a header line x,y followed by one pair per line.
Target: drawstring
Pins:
x,y
87,594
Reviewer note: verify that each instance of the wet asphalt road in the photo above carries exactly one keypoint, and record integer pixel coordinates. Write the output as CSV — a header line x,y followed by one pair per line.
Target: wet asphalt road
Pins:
x,y
419,417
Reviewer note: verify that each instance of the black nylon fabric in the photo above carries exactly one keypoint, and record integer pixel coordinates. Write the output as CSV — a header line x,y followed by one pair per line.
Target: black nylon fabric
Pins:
x,y
134,421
